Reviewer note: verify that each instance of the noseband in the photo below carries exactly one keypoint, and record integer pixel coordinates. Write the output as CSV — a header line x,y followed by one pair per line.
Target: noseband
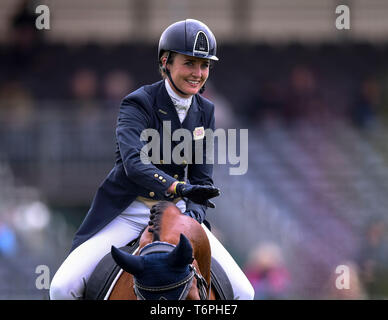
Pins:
x,y
165,247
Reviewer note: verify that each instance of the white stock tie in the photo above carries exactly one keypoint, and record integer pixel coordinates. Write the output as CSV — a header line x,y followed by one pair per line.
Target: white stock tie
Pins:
x,y
182,105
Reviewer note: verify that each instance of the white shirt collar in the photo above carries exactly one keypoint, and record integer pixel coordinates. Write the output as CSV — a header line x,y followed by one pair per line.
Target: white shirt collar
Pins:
x,y
179,102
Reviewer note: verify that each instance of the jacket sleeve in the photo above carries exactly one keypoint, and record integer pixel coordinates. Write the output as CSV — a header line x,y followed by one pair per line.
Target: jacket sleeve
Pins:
x,y
201,173
133,119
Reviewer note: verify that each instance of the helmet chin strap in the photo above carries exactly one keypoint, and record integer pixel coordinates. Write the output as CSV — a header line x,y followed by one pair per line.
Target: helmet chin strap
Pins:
x,y
167,71
176,88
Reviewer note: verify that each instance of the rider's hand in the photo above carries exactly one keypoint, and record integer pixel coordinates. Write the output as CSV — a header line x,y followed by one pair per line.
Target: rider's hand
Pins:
x,y
197,193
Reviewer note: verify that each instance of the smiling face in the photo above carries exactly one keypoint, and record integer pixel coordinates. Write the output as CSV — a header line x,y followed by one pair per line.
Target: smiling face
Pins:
x,y
188,73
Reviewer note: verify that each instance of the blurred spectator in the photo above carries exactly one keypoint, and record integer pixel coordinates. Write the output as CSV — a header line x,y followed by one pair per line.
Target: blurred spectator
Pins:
x,y
88,112
304,98
383,107
365,108
267,273
225,118
267,104
8,243
16,104
373,260
24,33
116,85
84,88
84,85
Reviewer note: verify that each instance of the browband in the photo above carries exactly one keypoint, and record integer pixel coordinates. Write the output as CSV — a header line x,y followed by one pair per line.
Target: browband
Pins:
x,y
157,247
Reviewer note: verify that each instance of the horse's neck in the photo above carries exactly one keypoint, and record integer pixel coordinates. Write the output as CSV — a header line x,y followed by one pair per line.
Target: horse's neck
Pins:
x,y
172,224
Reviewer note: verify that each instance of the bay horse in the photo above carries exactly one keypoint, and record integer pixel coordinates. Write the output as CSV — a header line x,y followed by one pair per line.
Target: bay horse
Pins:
x,y
172,262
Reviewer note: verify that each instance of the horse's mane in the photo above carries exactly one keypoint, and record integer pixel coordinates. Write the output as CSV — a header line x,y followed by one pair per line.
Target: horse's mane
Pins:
x,y
155,218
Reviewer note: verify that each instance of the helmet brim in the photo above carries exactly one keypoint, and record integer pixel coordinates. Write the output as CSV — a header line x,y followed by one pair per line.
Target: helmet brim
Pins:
x,y
197,55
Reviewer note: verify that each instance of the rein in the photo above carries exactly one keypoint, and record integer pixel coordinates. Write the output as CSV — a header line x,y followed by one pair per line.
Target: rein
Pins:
x,y
165,247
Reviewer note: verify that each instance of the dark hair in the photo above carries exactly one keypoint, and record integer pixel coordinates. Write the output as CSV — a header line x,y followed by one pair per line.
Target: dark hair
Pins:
x,y
170,60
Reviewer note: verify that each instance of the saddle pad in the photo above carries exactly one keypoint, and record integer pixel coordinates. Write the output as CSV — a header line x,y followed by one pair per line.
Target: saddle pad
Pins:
x,y
106,271
220,281
103,275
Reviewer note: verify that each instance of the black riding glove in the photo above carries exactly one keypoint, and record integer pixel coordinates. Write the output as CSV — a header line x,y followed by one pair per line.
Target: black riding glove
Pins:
x,y
197,193
195,215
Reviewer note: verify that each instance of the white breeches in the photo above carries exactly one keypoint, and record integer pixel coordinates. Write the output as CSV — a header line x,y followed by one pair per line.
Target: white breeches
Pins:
x,y
70,279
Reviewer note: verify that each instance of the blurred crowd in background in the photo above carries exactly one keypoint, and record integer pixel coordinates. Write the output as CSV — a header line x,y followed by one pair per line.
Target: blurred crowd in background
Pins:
x,y
314,196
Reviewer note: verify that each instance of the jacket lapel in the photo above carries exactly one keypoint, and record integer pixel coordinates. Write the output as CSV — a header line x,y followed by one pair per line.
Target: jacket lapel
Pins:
x,y
166,111
193,117
165,108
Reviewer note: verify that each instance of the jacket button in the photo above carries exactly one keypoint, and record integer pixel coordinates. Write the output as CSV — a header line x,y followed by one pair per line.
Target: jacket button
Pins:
x,y
160,178
152,194
164,180
156,175
176,176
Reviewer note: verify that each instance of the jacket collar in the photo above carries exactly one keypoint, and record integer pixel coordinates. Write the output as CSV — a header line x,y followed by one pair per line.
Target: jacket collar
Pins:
x,y
165,109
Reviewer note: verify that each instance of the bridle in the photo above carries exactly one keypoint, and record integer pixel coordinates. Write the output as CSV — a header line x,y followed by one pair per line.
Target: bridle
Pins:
x,y
186,283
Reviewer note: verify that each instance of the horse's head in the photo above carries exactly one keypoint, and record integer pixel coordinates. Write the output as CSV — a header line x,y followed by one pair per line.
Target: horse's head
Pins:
x,y
164,271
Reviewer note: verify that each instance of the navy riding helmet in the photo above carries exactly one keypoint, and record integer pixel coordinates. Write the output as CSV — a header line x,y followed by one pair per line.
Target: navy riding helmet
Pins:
x,y
189,37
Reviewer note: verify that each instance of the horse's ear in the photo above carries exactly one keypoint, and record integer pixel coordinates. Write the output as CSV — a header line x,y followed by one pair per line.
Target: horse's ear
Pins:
x,y
182,255
128,262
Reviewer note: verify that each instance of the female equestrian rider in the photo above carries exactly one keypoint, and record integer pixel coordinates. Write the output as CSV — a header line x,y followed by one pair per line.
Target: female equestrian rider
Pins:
x,y
121,207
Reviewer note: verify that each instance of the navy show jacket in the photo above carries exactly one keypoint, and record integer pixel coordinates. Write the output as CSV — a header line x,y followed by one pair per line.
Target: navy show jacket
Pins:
x,y
142,109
